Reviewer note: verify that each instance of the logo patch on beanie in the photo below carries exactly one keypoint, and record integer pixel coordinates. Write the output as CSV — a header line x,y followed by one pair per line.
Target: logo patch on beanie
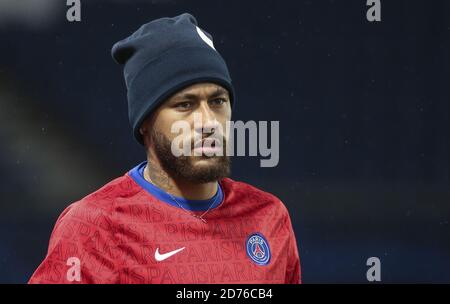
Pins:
x,y
205,38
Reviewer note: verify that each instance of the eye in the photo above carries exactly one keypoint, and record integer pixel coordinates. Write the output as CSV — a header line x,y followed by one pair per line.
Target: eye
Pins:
x,y
218,101
185,105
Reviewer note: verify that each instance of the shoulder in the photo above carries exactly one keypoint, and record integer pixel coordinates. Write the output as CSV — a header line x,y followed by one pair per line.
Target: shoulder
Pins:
x,y
96,209
246,191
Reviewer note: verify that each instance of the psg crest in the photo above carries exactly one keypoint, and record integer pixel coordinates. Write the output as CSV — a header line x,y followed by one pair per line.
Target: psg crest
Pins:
x,y
258,249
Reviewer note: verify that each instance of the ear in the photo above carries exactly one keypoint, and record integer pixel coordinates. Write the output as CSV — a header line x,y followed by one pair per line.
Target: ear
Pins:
x,y
145,138
144,131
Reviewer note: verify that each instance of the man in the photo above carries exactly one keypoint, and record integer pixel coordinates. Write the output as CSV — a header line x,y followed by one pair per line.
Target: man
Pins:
x,y
174,218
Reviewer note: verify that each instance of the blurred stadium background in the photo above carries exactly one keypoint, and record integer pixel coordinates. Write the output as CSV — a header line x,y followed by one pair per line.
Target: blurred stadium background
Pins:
x,y
363,110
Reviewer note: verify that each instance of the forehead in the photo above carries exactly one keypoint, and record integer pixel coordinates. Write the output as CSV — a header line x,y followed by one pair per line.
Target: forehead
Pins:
x,y
204,88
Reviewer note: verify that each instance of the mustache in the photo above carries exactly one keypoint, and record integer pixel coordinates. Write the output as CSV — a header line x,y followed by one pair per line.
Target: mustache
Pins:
x,y
216,140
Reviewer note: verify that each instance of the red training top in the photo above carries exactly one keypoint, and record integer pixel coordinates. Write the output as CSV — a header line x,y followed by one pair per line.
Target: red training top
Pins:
x,y
130,231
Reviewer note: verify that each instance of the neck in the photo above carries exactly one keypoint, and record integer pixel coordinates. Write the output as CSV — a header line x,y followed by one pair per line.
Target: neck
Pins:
x,y
156,175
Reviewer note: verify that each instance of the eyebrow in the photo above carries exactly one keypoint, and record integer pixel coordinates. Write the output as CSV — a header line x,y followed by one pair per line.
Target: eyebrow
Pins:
x,y
218,92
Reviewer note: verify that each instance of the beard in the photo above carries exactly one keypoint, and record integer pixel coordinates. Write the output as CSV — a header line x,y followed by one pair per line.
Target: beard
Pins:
x,y
184,167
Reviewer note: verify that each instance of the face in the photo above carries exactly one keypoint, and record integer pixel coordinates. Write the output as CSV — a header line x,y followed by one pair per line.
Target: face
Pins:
x,y
205,108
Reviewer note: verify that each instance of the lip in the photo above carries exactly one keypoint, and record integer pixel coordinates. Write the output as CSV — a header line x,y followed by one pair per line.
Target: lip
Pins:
x,y
207,150
210,141
208,146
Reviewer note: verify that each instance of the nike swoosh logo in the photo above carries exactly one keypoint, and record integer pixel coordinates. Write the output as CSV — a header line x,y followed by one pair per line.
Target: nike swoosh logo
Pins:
x,y
161,257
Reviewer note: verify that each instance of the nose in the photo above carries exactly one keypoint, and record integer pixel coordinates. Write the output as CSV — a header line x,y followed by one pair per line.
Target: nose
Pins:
x,y
207,122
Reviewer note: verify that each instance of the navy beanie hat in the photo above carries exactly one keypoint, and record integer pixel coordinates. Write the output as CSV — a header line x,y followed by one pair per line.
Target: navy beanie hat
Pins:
x,y
163,57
